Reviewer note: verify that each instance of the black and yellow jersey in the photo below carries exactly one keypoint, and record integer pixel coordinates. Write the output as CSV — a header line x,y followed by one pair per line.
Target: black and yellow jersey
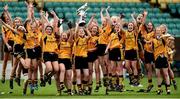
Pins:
x,y
8,33
130,40
148,46
80,47
160,48
104,34
170,54
92,43
65,50
116,41
19,38
142,30
49,43
32,39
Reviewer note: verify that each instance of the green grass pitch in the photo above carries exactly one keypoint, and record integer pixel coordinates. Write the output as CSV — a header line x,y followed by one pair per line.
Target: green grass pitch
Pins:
x,y
50,91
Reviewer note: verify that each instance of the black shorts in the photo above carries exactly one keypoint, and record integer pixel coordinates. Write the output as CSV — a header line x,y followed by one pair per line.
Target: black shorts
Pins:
x,y
38,50
101,49
24,71
34,53
81,62
47,56
66,62
149,57
115,54
161,62
130,54
31,53
11,43
19,50
92,56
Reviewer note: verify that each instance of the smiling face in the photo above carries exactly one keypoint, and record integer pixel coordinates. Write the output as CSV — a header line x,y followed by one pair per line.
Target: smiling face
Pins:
x,y
104,22
117,28
64,36
163,28
6,18
17,22
149,27
33,27
139,18
114,20
130,27
158,32
94,30
49,30
81,32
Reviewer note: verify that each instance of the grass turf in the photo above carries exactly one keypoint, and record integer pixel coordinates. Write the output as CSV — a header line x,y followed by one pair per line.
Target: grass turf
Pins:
x,y
50,91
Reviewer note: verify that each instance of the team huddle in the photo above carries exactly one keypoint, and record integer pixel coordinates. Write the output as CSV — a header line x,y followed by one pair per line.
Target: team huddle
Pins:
x,y
71,56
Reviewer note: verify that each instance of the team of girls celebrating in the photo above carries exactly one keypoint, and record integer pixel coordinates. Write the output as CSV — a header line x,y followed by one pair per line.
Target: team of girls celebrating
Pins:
x,y
72,56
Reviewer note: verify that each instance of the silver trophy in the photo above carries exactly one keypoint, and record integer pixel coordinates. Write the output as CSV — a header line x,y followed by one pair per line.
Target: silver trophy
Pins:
x,y
82,13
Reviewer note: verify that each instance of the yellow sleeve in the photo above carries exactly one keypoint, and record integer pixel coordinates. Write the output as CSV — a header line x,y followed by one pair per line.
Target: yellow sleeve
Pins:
x,y
2,29
108,28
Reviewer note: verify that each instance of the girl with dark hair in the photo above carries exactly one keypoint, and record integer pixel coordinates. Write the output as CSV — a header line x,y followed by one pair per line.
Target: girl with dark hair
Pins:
x,y
7,36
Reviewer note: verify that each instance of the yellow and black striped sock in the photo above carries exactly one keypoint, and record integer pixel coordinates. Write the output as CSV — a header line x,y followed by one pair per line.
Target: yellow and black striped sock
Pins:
x,y
105,79
167,87
113,79
149,81
30,81
98,84
35,81
69,91
105,76
79,87
110,76
136,77
90,86
85,85
139,71
131,76
117,80
74,85
159,87
173,80
61,85
121,79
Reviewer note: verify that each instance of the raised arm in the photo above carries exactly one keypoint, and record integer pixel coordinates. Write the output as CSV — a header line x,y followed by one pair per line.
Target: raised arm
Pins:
x,y
88,32
71,35
135,24
44,20
8,26
101,13
43,17
8,14
133,17
91,20
29,10
144,16
76,28
55,22
71,32
108,15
